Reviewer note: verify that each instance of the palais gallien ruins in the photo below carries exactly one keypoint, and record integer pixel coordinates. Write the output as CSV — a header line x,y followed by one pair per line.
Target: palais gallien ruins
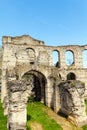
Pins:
x,y
27,70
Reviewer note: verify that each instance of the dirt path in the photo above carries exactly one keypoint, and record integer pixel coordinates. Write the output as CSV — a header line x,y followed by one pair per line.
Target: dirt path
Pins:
x,y
66,125
35,126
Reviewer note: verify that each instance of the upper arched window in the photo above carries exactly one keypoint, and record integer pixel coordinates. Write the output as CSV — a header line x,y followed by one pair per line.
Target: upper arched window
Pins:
x,y
84,56
55,58
26,56
69,58
31,55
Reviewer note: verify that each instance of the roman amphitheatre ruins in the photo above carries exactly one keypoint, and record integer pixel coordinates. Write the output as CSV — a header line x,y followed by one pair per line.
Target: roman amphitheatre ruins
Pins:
x,y
27,69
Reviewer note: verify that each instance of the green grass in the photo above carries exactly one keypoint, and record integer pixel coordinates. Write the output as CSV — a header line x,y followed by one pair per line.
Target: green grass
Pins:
x,y
36,112
3,119
86,105
85,126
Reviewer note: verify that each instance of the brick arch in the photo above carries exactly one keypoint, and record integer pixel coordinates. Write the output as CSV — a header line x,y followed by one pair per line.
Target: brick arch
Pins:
x,y
38,82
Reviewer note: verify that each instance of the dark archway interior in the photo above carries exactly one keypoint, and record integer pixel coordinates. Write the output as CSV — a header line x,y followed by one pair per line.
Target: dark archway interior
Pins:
x,y
38,82
71,76
37,88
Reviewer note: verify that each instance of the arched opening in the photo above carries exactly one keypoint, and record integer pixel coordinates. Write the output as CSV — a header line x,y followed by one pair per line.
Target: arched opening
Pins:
x,y
25,56
84,56
71,76
55,58
69,58
37,83
31,55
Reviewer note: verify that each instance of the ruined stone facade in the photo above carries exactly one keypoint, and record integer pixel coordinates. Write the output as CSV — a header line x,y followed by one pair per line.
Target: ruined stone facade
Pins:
x,y
25,57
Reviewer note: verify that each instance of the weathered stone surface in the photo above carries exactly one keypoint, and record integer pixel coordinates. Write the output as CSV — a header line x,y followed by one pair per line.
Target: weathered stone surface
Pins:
x,y
16,126
72,100
15,86
17,97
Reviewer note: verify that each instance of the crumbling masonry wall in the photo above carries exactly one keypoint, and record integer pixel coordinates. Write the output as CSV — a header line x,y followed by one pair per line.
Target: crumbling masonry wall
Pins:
x,y
72,101
25,55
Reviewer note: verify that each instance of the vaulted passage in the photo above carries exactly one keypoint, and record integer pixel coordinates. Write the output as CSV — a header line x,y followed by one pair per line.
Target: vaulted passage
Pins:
x,y
71,76
37,84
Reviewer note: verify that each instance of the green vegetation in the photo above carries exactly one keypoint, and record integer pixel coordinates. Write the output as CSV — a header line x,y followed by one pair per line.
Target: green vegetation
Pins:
x,y
31,98
82,83
86,105
3,119
85,126
36,113
73,84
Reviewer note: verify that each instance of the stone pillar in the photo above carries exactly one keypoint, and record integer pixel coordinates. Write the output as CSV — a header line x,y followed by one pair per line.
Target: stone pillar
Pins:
x,y
78,58
72,101
18,95
57,100
62,59
48,93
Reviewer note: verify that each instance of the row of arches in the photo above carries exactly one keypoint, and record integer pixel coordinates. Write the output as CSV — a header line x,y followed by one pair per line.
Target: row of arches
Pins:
x,y
29,53
69,58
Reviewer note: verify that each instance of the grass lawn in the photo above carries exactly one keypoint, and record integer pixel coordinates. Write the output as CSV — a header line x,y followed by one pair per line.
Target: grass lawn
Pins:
x,y
36,113
85,126
3,119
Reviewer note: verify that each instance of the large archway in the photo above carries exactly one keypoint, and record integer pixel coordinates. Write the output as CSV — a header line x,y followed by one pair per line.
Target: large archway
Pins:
x,y
37,82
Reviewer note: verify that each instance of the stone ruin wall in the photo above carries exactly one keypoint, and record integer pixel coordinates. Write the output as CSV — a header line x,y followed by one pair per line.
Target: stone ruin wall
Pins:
x,y
24,54
16,53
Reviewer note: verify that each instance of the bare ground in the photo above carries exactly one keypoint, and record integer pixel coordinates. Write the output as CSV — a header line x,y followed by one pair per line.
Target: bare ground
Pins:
x,y
35,126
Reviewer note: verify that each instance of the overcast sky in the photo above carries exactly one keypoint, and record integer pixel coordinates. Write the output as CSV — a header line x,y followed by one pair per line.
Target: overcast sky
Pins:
x,y
56,22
